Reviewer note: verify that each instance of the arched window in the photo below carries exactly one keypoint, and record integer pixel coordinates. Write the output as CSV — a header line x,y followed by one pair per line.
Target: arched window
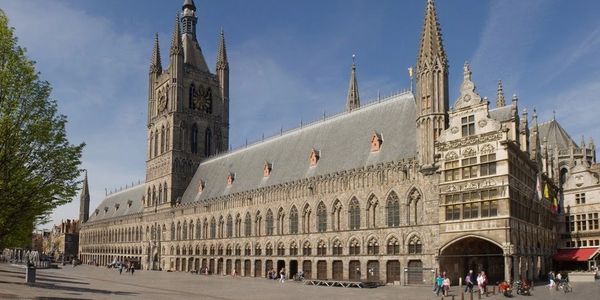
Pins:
x,y
280,249
269,249
293,249
220,249
150,145
321,217
337,247
354,247
209,103
162,139
293,220
393,246
191,230
154,195
172,231
306,219
372,205
321,248
257,250
229,226
238,250
247,225
165,198
185,231
280,220
238,225
336,215
205,228
306,249
155,143
373,246
191,103
393,210
178,230
213,228
413,206
414,245
198,229
354,213
207,142
269,222
167,137
228,250
248,250
194,139
149,198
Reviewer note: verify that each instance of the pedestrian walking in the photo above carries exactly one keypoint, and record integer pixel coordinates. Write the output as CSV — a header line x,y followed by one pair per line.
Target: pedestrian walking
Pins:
x,y
469,282
282,275
132,269
481,282
439,282
446,286
120,269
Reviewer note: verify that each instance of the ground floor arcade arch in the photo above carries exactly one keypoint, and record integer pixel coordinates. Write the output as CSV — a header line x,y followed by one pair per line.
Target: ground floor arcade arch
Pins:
x,y
473,253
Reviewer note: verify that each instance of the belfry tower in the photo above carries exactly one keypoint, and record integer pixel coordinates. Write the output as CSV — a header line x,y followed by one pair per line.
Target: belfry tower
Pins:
x,y
188,112
431,88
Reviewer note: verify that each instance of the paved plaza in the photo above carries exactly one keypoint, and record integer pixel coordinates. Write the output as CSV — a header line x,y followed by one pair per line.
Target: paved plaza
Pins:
x,y
86,282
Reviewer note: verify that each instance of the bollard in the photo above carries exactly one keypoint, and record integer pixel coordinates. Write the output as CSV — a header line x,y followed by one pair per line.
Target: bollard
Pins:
x,y
494,290
471,295
462,296
479,295
452,297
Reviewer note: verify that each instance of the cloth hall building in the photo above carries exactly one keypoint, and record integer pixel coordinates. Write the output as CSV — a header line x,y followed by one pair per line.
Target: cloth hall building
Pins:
x,y
392,191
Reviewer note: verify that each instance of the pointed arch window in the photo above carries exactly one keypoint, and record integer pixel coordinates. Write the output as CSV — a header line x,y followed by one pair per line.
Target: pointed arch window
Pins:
x,y
321,217
413,207
165,198
172,231
306,219
162,139
191,230
269,249
257,250
293,249
354,247
321,248
258,224
198,229
393,246
238,250
269,222
154,195
248,250
373,247
150,145
185,231
238,225
213,228
393,210
221,227
354,212
414,245
280,221
294,220
280,249
337,248
247,225
306,249
229,226
178,230
160,193
155,143
207,142
194,139
167,137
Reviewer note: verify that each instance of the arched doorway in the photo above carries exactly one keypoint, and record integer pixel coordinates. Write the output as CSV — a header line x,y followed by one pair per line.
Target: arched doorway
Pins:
x,y
472,253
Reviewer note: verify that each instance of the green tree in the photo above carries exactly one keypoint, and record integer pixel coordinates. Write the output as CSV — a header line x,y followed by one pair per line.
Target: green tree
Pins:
x,y
39,168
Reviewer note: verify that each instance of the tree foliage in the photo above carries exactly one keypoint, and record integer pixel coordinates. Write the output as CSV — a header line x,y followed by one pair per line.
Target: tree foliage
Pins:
x,y
38,166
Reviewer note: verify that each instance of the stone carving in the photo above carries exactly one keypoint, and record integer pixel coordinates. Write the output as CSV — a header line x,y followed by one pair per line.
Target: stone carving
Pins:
x,y
202,98
451,155
469,152
468,96
454,129
482,123
487,148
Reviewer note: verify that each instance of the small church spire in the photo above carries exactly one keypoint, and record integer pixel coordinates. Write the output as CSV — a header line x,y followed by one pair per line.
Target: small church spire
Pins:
x,y
176,44
222,63
431,38
84,201
155,64
500,102
353,100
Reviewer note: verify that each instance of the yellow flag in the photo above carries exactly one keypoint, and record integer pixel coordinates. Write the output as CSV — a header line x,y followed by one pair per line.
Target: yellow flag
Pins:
x,y
546,191
410,72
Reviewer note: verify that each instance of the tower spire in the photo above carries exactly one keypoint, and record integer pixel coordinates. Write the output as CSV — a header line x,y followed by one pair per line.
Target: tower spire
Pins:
x,y
84,201
431,89
176,44
500,101
222,63
155,64
353,100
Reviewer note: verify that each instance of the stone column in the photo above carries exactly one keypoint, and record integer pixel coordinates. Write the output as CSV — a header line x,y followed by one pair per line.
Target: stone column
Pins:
x,y
252,263
507,267
516,267
363,269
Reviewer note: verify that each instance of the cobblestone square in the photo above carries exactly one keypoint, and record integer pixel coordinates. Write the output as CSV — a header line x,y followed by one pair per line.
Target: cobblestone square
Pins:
x,y
86,282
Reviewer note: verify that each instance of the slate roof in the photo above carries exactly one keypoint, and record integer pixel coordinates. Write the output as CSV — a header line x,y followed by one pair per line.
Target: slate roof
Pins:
x,y
343,142
121,198
555,135
502,114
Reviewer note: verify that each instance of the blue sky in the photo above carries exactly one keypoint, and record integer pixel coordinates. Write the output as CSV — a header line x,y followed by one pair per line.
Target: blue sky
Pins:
x,y
290,61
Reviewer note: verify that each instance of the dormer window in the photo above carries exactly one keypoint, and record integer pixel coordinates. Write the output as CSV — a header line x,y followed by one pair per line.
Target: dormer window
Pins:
x,y
314,157
96,211
267,169
200,186
376,142
105,209
230,178
116,206
129,202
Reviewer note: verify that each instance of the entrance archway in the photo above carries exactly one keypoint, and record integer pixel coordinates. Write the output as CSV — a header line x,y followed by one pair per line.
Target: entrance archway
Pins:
x,y
473,253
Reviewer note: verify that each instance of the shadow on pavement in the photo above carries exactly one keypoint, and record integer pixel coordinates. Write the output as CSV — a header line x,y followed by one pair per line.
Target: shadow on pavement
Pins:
x,y
59,280
55,287
61,298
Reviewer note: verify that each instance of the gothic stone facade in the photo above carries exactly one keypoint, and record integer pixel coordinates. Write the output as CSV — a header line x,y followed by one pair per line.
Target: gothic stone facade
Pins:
x,y
394,191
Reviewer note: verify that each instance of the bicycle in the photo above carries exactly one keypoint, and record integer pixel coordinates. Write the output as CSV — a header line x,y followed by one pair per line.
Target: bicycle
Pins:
x,y
565,286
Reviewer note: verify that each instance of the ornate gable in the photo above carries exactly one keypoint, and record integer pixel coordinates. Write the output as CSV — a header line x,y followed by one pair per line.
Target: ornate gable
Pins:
x,y
468,97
